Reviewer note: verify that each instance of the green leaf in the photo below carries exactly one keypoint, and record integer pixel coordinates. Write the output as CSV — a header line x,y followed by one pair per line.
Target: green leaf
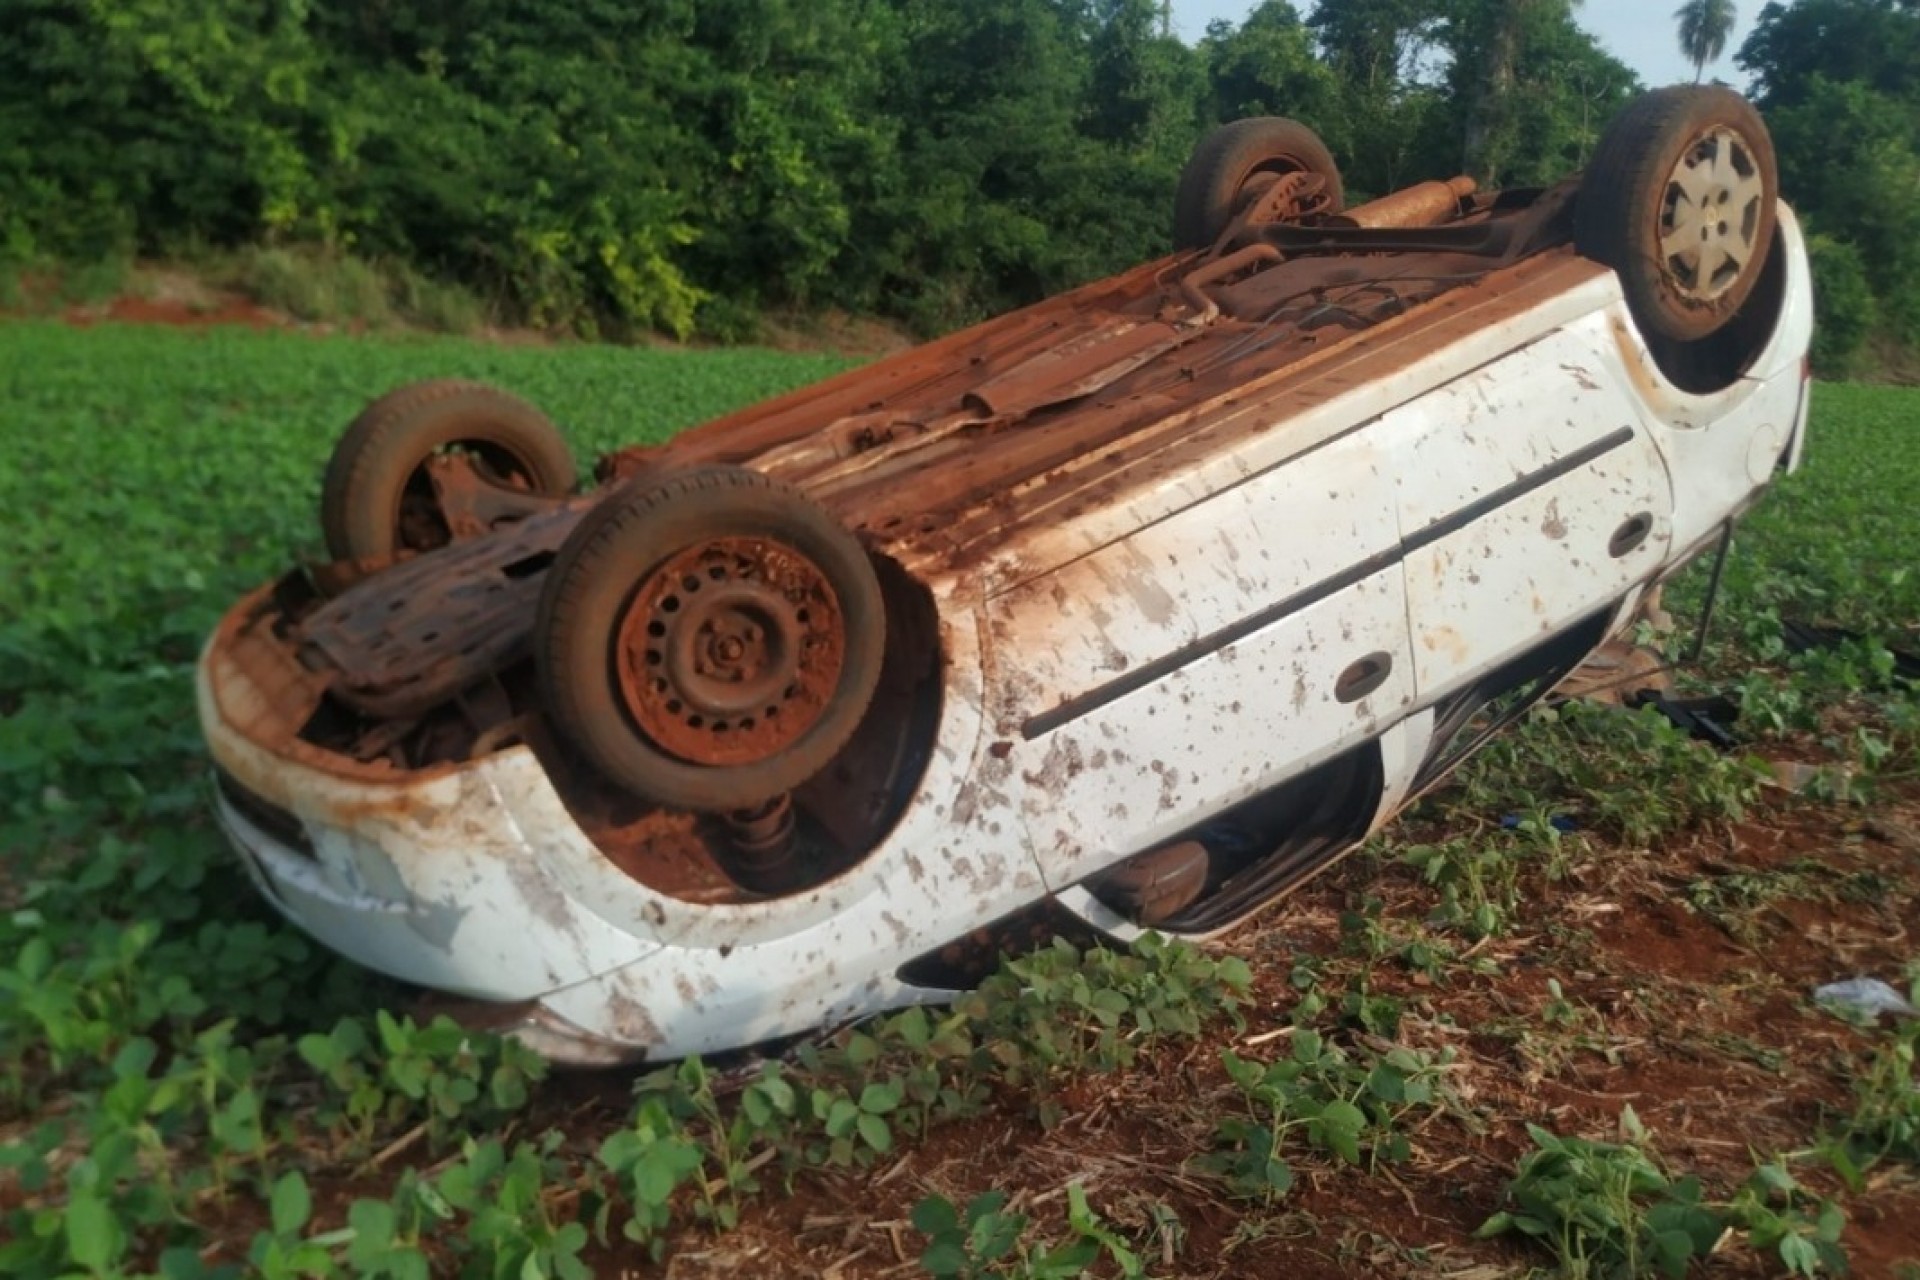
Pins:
x,y
662,1167
1340,1125
875,1132
842,1117
1387,1084
1799,1256
94,1237
776,1090
1672,1250
934,1215
944,1257
1775,1179
291,1204
373,1223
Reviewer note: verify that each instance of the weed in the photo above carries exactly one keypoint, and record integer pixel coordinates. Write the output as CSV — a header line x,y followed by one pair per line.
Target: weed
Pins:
x,y
1479,877
1064,1011
315,284
84,1007
1733,898
434,304
1346,1103
1781,1217
985,1239
1379,937
1605,1210
441,1075
1885,1120
966,1243
1631,776
282,1251
514,1226
650,1161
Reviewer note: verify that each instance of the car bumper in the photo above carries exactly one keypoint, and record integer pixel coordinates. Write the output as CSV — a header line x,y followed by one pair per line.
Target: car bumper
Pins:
x,y
428,876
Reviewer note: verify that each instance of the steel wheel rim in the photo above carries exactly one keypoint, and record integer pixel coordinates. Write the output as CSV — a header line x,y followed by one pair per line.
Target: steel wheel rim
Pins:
x,y
730,651
1710,215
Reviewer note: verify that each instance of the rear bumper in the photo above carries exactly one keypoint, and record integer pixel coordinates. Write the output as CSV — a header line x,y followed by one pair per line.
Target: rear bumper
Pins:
x,y
426,876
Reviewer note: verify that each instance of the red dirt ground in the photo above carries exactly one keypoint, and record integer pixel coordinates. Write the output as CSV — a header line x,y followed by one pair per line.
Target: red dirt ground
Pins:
x,y
174,313
1711,1039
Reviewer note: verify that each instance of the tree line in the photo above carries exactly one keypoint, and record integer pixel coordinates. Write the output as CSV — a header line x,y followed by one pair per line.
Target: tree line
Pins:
x,y
622,165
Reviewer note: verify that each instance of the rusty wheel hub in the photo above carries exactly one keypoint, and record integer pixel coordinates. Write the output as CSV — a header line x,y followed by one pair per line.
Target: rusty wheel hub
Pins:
x,y
730,650
1282,197
464,492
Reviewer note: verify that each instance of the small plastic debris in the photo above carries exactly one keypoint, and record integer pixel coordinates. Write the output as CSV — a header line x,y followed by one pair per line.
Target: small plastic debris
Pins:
x,y
1559,822
1794,776
1868,997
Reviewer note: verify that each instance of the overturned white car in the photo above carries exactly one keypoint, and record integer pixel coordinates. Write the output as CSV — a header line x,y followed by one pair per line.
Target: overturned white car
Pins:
x,y
1134,608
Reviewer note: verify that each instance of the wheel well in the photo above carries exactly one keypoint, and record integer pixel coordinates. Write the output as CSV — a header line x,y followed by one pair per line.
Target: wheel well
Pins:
x,y
1271,842
1717,361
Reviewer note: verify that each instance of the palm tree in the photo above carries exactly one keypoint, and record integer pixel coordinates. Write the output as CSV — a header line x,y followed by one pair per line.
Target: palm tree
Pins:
x,y
1704,28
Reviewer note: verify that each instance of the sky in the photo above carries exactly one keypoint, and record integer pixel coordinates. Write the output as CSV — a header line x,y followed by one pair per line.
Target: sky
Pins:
x,y
1641,33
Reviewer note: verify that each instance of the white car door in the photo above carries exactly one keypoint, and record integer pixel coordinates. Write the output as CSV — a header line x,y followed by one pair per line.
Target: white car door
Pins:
x,y
1529,494
1202,659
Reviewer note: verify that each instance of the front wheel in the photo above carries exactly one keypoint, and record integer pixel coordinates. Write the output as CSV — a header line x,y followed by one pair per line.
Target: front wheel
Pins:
x,y
710,641
1680,201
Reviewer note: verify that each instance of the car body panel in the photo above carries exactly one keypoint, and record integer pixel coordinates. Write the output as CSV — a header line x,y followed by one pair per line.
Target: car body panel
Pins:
x,y
1152,604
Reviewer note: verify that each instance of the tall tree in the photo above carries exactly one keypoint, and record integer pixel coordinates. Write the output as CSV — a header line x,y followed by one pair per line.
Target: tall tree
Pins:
x,y
1705,26
1374,42
1876,42
1836,79
1497,28
1531,87
1265,66
1389,125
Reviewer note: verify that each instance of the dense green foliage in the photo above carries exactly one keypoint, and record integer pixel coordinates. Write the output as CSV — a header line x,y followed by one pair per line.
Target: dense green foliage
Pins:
x,y
683,166
1839,82
151,1009
680,165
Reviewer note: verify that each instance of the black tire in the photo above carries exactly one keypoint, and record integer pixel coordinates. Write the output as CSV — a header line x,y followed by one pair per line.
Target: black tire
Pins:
x,y
639,561
1213,182
380,459
1635,213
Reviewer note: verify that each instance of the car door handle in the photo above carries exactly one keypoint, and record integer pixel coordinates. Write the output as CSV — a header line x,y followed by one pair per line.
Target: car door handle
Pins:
x,y
1363,676
1632,532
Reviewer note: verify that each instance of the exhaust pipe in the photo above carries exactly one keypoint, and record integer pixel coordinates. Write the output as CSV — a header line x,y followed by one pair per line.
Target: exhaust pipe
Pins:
x,y
1422,205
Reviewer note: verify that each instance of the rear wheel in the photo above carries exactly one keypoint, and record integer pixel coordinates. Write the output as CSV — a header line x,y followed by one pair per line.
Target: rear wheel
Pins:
x,y
436,462
1237,162
1680,201
711,641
